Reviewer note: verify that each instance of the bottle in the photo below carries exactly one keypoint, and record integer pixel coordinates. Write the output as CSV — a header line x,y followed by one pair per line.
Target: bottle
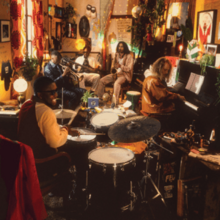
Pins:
x,y
212,136
190,132
113,101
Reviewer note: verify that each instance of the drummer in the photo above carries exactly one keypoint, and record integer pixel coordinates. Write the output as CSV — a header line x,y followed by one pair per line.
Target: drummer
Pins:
x,y
38,126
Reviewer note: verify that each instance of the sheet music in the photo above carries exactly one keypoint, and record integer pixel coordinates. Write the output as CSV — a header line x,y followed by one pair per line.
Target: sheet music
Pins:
x,y
194,83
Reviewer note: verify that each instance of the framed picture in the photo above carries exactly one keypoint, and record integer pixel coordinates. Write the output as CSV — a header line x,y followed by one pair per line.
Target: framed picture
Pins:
x,y
5,31
206,22
211,49
71,30
177,15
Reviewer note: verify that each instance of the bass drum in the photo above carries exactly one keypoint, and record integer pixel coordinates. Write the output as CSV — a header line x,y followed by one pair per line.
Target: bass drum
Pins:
x,y
110,171
102,122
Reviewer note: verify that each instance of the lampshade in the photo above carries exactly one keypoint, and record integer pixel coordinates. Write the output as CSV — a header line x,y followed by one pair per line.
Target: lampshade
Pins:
x,y
20,85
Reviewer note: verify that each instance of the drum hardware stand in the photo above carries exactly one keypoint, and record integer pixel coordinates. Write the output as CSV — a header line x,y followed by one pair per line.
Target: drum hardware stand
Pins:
x,y
88,196
148,175
133,199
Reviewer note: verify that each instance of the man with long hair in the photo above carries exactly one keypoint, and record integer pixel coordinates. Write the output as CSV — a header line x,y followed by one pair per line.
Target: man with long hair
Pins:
x,y
155,96
122,70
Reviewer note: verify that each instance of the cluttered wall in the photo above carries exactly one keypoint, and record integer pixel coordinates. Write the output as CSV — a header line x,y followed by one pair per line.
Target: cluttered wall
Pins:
x,y
5,51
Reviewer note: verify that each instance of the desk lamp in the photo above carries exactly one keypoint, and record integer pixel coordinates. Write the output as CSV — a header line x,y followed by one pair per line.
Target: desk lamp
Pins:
x,y
20,86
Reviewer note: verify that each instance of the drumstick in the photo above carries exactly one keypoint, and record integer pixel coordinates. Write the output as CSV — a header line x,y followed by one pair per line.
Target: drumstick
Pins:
x,y
74,115
93,134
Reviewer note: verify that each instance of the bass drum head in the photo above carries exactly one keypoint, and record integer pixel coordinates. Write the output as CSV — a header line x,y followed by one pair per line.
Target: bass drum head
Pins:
x,y
84,27
104,119
102,122
133,93
83,137
111,155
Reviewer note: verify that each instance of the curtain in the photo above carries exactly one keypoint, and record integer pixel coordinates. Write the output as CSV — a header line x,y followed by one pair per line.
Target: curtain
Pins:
x,y
38,29
18,34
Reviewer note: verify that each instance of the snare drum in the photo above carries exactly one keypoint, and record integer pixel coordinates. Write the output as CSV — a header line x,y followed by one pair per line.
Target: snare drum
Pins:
x,y
101,123
133,96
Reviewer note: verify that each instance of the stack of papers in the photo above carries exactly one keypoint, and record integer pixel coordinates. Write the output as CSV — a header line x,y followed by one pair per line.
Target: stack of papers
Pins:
x,y
9,110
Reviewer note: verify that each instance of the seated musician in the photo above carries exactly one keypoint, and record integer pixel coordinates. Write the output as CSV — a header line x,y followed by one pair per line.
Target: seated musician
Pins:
x,y
156,99
123,67
88,67
54,71
38,128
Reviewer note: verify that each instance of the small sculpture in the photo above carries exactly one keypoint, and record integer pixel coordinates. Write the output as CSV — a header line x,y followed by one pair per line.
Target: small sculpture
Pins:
x,y
148,37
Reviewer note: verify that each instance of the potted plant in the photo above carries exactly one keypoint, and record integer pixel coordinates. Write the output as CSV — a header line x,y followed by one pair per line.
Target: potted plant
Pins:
x,y
206,60
85,97
29,68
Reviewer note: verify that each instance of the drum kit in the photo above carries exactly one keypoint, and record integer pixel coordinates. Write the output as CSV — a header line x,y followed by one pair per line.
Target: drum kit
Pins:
x,y
108,165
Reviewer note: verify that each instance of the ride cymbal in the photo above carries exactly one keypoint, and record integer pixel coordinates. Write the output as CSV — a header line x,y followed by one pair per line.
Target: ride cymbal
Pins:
x,y
133,129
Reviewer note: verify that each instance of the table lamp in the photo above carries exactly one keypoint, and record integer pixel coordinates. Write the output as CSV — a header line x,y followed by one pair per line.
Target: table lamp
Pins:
x,y
20,86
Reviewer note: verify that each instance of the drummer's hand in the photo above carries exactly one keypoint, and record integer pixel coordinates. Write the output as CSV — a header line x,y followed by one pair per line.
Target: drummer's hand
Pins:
x,y
73,132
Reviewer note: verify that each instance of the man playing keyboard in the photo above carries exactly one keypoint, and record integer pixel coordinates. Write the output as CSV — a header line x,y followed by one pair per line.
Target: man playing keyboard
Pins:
x,y
156,99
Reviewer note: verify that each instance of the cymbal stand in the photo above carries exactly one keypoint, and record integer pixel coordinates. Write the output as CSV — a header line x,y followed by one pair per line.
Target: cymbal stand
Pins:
x,y
148,175
133,199
62,106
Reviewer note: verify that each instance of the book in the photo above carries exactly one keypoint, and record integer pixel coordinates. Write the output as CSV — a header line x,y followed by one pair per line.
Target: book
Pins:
x,y
9,110
195,83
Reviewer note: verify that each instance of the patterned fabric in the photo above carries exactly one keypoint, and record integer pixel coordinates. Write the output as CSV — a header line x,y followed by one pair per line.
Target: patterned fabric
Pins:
x,y
38,29
18,34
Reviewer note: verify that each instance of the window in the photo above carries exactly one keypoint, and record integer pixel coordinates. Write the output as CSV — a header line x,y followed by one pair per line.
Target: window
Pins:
x,y
29,26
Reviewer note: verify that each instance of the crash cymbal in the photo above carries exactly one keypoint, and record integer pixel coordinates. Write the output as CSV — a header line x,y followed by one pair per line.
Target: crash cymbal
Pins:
x,y
133,129
64,113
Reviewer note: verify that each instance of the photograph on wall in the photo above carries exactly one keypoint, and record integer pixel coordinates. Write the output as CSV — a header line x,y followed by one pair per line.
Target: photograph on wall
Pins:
x,y
206,26
217,61
71,30
211,49
5,31
177,15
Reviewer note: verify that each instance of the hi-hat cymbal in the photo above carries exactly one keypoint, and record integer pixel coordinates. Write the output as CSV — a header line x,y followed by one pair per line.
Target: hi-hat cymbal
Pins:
x,y
133,129
64,113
